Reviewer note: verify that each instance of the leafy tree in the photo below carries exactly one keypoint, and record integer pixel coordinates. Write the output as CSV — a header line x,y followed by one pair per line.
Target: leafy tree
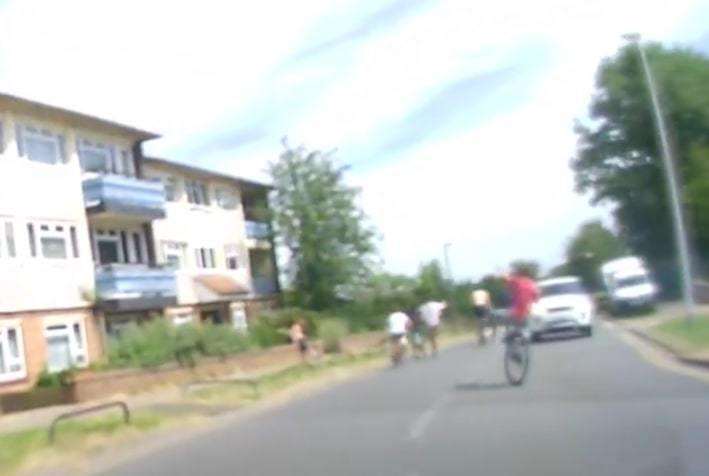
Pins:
x,y
431,283
591,246
320,224
618,157
527,267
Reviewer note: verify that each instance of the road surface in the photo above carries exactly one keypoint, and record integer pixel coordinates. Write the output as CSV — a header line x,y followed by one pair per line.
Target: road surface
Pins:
x,y
590,407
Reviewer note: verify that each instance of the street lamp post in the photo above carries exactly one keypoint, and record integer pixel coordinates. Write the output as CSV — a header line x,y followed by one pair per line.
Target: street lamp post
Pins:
x,y
671,176
449,273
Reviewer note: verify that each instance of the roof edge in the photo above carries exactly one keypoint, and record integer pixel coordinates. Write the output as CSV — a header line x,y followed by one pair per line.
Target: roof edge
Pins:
x,y
206,172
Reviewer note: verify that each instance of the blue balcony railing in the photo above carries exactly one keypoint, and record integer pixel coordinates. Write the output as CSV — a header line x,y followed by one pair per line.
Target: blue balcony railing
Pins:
x,y
257,230
134,282
116,194
264,285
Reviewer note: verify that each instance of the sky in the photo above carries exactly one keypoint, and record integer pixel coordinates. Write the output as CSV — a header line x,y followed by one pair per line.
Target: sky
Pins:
x,y
456,117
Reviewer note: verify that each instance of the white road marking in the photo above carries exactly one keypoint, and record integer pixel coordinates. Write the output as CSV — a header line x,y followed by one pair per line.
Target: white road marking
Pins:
x,y
419,426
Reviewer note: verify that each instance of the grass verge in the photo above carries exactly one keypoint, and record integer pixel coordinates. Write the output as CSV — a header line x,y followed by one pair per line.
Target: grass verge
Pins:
x,y
72,437
687,337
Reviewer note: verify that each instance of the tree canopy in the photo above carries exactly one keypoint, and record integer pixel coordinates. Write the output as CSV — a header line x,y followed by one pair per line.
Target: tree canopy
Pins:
x,y
317,219
619,159
591,246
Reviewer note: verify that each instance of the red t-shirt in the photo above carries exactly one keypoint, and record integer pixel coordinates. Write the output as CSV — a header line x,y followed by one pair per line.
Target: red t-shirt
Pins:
x,y
524,293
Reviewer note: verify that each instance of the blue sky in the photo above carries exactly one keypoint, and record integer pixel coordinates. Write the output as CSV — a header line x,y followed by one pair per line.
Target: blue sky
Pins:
x,y
456,117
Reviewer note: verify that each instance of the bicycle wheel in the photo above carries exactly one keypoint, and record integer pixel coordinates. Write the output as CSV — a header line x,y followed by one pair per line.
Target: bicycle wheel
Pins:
x,y
516,360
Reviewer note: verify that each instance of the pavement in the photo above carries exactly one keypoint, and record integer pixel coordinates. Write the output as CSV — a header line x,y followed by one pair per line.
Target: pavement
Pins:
x,y
591,406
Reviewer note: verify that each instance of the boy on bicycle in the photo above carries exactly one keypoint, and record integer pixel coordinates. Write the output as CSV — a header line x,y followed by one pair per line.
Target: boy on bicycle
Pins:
x,y
524,293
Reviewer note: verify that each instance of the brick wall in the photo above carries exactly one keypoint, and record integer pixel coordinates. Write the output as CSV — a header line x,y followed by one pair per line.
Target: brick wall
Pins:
x,y
32,324
96,385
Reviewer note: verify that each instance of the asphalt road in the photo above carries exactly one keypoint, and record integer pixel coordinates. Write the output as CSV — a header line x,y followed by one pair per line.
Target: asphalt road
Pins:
x,y
590,406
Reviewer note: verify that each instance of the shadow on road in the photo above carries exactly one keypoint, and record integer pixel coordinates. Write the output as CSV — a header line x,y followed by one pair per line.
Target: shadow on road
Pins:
x,y
480,386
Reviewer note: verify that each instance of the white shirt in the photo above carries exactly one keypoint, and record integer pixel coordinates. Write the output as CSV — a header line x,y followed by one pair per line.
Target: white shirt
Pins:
x,y
398,321
481,297
431,312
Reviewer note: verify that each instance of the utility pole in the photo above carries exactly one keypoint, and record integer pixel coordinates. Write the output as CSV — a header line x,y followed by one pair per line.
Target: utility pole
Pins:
x,y
681,240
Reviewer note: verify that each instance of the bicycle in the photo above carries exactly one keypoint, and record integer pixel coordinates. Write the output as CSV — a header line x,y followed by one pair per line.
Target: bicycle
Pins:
x,y
517,354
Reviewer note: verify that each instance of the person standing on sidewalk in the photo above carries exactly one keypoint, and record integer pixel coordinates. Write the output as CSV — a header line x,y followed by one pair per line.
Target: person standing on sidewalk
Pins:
x,y
431,312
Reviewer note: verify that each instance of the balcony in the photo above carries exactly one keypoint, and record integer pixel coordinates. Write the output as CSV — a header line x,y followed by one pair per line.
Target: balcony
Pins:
x,y
115,195
257,230
135,287
264,285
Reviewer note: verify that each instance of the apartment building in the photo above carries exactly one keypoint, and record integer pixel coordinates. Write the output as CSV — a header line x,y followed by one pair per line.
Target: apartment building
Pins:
x,y
94,236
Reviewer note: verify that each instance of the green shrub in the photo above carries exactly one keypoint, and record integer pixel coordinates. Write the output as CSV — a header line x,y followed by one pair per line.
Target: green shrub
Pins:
x,y
265,334
222,340
55,379
147,345
187,345
332,331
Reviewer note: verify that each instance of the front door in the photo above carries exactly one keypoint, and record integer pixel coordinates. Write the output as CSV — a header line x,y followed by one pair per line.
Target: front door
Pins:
x,y
214,316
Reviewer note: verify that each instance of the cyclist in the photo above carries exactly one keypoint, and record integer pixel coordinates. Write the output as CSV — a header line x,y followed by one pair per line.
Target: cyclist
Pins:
x,y
482,308
398,324
431,312
524,293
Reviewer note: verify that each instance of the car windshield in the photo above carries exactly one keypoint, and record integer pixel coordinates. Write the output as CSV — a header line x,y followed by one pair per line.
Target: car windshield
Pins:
x,y
632,281
561,288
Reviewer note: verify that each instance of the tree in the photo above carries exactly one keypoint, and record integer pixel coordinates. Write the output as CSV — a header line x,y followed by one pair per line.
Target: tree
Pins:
x,y
527,267
591,246
431,283
318,222
618,157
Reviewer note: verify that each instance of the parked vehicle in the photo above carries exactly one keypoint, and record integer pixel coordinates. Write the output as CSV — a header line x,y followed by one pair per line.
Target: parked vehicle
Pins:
x,y
564,306
629,284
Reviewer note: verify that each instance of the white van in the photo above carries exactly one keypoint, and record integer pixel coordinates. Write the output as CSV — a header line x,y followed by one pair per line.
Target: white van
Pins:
x,y
628,283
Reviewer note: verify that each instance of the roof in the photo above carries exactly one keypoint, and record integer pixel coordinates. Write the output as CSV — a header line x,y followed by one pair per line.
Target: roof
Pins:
x,y
559,280
207,173
21,105
223,285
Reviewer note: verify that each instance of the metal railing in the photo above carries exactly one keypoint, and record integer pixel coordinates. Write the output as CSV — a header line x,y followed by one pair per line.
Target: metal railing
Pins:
x,y
84,411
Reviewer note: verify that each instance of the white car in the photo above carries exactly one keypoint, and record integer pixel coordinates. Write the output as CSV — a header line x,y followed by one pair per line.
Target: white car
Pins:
x,y
564,306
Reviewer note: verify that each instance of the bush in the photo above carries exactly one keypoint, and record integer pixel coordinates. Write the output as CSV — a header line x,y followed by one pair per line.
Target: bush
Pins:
x,y
222,340
55,379
147,345
187,345
265,334
332,331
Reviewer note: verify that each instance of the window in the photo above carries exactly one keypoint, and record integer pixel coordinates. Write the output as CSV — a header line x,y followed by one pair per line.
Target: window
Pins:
x,y
232,256
196,192
74,242
173,253
33,243
66,346
109,246
102,158
226,199
127,164
52,241
205,258
170,188
12,354
138,246
40,145
9,245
